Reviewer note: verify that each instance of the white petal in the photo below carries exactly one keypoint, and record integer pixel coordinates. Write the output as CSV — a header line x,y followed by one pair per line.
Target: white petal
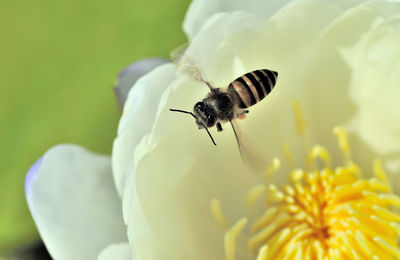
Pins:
x,y
375,62
387,9
120,251
220,26
201,10
170,214
74,203
130,74
137,119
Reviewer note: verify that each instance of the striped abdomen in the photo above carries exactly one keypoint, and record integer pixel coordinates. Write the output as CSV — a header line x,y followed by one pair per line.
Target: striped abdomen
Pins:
x,y
253,86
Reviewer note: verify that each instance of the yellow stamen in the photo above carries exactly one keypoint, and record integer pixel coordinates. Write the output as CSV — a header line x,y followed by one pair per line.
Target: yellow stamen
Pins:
x,y
379,171
266,232
254,194
272,168
217,213
320,152
387,246
287,153
336,214
386,214
378,185
296,175
396,226
274,194
328,214
278,240
265,219
361,239
353,168
343,143
263,253
231,236
299,117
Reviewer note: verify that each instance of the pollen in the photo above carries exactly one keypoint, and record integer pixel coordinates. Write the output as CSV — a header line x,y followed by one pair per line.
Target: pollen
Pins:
x,y
323,212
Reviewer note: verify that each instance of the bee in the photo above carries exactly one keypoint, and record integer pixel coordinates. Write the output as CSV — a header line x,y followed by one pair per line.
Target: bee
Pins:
x,y
229,103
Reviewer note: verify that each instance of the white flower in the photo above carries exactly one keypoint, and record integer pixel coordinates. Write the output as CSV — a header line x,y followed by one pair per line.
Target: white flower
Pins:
x,y
340,61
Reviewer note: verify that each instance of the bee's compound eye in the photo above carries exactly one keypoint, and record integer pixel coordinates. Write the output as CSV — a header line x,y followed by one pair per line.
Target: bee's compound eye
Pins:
x,y
199,106
205,115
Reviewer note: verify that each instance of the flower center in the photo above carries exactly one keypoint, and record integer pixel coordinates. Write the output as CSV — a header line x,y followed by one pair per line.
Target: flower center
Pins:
x,y
326,213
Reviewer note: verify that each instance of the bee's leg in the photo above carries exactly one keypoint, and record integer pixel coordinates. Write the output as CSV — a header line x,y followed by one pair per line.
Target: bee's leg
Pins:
x,y
219,127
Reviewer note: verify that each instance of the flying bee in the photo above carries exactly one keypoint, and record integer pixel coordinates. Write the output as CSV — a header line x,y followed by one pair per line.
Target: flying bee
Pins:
x,y
228,103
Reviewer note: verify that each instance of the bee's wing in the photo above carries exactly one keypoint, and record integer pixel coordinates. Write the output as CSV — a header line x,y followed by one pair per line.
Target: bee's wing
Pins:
x,y
252,160
188,66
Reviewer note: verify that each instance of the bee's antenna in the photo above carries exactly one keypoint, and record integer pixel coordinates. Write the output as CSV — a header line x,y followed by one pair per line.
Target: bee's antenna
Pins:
x,y
183,111
190,113
212,139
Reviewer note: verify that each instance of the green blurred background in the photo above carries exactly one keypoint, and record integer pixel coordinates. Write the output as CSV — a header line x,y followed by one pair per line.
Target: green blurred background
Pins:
x,y
58,63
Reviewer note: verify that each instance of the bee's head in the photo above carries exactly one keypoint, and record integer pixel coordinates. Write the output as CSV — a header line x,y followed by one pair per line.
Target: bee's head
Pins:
x,y
205,115
203,119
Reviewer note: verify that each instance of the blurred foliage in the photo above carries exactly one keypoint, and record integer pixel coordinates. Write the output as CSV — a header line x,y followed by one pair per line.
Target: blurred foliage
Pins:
x,y
58,63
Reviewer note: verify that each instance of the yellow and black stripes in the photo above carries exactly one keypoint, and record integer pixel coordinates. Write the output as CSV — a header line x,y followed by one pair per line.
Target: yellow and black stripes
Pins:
x,y
252,87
